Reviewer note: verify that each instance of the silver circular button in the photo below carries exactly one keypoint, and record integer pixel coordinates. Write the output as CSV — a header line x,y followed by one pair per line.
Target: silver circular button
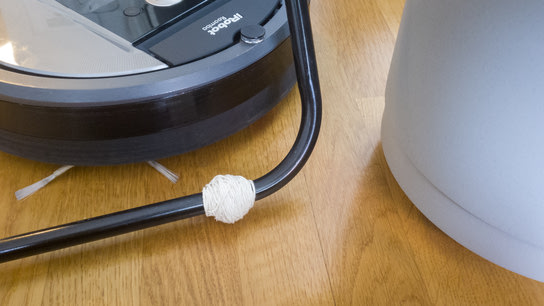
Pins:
x,y
163,2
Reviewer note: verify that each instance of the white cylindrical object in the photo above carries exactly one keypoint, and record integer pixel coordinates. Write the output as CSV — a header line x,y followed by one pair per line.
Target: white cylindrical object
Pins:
x,y
463,127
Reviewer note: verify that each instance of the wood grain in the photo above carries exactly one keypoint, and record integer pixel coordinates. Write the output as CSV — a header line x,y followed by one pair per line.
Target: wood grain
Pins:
x,y
342,232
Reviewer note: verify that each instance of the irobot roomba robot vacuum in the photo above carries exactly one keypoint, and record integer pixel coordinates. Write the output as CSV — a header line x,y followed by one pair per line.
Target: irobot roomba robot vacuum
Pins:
x,y
97,82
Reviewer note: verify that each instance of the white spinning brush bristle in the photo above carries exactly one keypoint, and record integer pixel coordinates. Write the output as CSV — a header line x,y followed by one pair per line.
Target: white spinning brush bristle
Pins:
x,y
29,190
164,171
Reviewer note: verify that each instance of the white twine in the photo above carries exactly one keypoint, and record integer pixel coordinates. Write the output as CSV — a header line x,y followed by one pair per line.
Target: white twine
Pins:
x,y
228,198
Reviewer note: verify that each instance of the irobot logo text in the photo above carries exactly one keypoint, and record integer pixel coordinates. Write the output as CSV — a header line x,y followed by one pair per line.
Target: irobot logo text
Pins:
x,y
222,23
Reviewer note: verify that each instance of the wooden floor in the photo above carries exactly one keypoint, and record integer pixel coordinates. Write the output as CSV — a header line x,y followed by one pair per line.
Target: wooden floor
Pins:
x,y
342,232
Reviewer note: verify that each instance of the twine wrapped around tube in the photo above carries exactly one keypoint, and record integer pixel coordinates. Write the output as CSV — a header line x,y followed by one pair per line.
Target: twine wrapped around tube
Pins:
x,y
228,198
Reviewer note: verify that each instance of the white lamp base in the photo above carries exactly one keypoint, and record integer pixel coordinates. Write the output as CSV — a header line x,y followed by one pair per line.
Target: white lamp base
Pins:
x,y
473,233
463,127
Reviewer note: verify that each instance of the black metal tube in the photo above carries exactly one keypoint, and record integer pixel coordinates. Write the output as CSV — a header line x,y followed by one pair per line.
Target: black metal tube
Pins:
x,y
298,16
185,207
110,225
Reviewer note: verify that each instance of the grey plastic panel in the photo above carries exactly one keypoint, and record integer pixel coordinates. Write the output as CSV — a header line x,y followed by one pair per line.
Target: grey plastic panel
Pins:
x,y
67,44
212,32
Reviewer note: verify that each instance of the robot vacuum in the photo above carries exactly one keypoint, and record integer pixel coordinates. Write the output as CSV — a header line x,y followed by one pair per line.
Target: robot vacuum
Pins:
x,y
97,82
